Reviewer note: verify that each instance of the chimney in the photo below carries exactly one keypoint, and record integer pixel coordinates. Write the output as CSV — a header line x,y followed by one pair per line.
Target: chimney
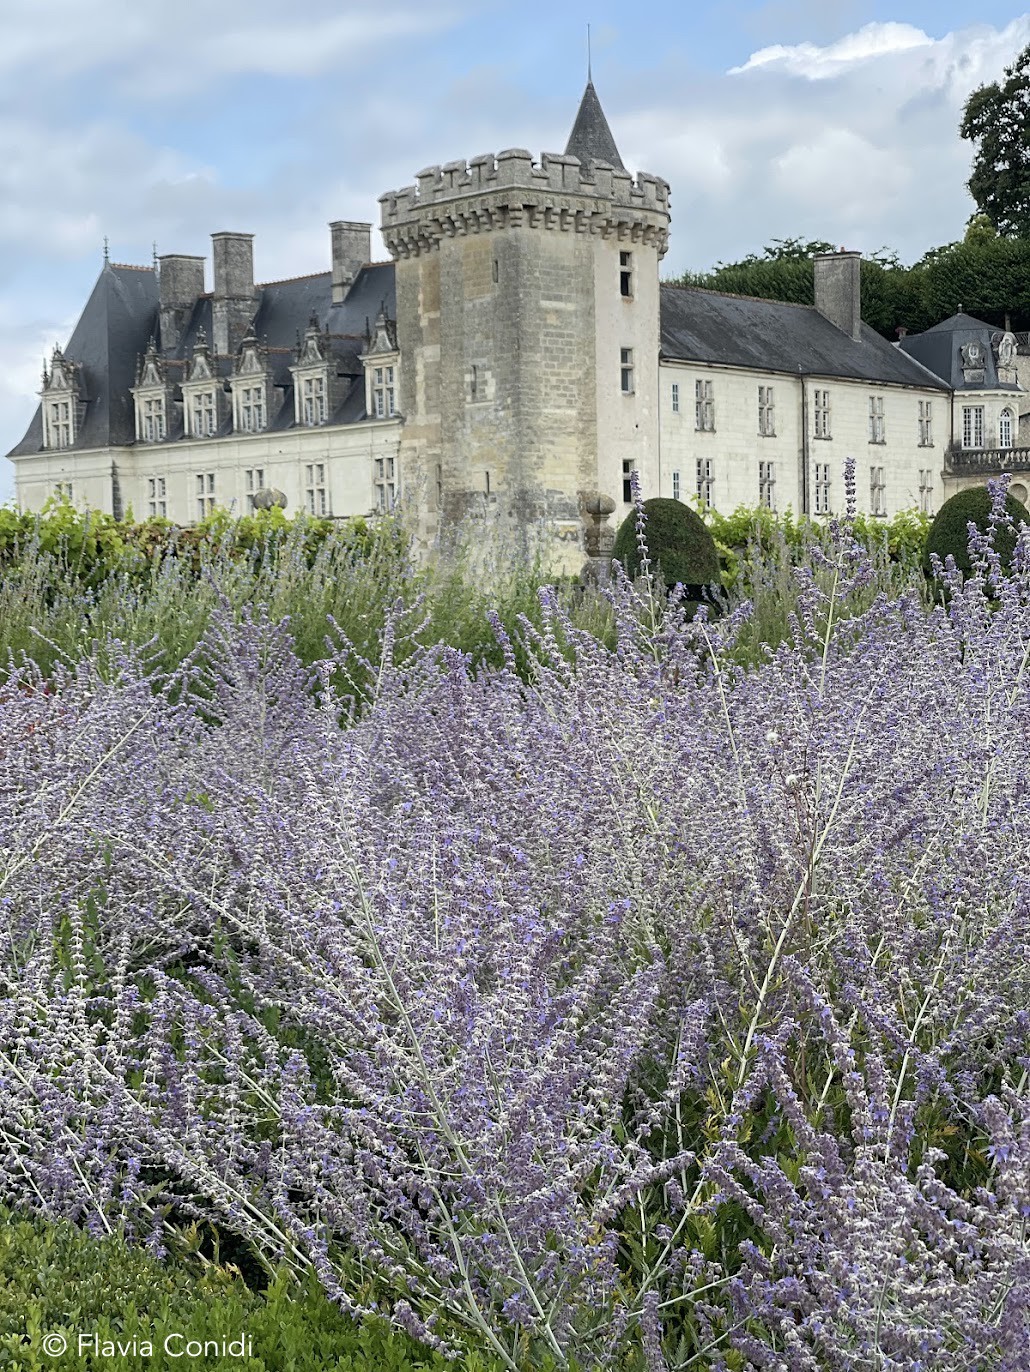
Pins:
x,y
352,248
180,281
838,290
232,307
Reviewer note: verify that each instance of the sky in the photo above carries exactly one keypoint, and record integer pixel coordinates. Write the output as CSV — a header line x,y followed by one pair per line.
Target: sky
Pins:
x,y
163,122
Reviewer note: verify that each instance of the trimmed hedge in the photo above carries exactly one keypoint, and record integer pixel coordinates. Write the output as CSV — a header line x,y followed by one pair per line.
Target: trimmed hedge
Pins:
x,y
949,532
677,541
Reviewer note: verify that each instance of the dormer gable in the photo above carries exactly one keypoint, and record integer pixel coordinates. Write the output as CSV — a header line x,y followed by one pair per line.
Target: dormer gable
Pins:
x,y
200,368
203,393
381,360
314,378
251,385
62,401
152,395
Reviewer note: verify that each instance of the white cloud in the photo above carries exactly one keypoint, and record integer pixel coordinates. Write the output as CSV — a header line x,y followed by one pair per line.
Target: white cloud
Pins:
x,y
818,63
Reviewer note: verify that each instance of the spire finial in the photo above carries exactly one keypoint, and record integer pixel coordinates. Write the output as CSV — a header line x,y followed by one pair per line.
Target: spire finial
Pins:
x,y
154,254
590,74
107,255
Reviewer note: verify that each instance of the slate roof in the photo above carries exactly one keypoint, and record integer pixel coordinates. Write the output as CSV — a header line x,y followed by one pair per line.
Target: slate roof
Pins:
x,y
770,335
122,315
939,348
112,331
591,139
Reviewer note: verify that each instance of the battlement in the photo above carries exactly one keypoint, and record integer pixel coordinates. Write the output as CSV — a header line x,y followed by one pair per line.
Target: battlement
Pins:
x,y
515,168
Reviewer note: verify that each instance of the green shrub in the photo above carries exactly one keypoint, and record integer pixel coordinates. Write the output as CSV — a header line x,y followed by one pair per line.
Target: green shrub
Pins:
x,y
677,542
949,532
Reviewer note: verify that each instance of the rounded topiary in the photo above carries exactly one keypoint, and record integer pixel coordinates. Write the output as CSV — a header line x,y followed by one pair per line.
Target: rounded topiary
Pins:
x,y
949,532
677,541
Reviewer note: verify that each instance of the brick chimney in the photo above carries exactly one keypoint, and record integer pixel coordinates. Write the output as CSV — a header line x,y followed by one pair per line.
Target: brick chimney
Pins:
x,y
838,290
180,281
232,306
352,248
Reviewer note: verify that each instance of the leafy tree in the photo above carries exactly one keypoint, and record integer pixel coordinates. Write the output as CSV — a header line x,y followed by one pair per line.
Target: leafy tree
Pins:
x,y
996,120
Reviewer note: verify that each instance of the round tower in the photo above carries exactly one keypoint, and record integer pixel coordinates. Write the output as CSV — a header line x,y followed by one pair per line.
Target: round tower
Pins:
x,y
527,321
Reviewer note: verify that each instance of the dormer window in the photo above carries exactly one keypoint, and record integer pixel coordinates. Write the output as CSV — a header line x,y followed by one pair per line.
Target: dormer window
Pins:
x,y
382,371
251,389
152,396
314,376
203,415
252,409
153,420
383,392
60,402
314,400
202,393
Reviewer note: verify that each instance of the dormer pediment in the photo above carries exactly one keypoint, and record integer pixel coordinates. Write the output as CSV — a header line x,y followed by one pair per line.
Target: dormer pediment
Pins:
x,y
383,338
251,360
200,363
151,374
314,349
62,376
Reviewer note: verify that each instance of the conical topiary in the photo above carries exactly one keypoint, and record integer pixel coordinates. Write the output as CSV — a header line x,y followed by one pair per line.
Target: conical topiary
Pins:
x,y
678,543
949,532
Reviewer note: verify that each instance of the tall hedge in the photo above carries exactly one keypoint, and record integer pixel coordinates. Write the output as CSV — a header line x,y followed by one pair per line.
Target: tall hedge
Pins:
x,y
949,532
677,541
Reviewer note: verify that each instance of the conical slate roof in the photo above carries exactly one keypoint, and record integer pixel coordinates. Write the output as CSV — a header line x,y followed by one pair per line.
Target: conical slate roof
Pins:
x,y
591,139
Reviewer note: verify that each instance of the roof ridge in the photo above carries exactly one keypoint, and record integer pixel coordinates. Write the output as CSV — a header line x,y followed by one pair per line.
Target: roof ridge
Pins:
x,y
131,266
285,280
733,295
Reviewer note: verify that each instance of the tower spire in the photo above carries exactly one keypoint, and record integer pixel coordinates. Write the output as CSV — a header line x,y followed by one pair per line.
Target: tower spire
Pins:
x,y
591,139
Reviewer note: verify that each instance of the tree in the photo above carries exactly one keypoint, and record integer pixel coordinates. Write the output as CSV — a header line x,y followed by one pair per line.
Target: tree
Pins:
x,y
996,120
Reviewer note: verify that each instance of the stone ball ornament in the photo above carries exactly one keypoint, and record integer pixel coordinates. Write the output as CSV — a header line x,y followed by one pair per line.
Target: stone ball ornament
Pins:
x,y
268,497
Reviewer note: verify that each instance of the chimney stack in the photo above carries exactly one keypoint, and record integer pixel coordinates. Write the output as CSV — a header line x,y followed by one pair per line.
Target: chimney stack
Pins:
x,y
838,290
352,248
180,281
232,306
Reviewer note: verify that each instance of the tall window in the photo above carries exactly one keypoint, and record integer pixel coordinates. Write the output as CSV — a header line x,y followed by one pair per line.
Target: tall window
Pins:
x,y
203,418
439,482
626,368
383,391
926,423
704,407
627,480
767,484
675,397
386,484
314,400
63,490
972,426
626,275
675,485
254,478
1005,429
154,420
877,431
926,490
205,483
157,497
822,488
60,424
877,491
705,480
252,409
821,414
766,414
316,499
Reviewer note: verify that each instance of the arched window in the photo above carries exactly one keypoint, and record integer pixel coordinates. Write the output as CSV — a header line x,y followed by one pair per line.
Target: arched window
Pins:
x,y
1005,429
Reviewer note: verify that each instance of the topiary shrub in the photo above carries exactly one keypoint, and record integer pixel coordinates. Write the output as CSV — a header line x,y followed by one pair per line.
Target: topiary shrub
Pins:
x,y
677,542
949,532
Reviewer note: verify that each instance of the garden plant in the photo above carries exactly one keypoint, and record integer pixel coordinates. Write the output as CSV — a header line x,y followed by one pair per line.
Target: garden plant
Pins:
x,y
625,1000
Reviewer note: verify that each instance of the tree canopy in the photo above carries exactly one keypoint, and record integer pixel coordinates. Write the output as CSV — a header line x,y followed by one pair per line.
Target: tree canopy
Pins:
x,y
996,120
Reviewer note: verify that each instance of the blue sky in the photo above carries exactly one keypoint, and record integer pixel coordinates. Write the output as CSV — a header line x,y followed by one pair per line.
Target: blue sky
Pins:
x,y
167,121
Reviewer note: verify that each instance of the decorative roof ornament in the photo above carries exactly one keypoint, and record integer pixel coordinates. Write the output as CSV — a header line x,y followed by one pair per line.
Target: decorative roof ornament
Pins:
x,y
107,254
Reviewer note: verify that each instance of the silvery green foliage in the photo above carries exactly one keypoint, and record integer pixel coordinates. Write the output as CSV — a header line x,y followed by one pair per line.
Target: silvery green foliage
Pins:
x,y
657,1003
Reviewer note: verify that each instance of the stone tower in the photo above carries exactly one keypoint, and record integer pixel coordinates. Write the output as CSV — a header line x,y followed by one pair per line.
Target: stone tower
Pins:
x,y
527,319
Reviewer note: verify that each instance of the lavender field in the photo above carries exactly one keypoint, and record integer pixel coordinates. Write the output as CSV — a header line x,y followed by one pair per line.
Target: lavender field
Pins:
x,y
634,1002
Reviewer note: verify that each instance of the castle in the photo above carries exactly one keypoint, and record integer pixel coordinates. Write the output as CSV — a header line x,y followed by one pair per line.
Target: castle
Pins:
x,y
518,353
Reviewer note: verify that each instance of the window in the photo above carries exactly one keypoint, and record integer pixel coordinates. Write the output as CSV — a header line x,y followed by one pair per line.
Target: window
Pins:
x,y
705,480
63,490
822,414
203,415
767,484
1005,429
157,497
766,416
252,409
626,275
497,269
627,481
704,407
386,484
383,391
255,479
822,487
60,424
926,491
439,486
316,499
877,492
675,397
675,485
627,371
972,426
926,423
205,483
154,420
877,432
314,400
